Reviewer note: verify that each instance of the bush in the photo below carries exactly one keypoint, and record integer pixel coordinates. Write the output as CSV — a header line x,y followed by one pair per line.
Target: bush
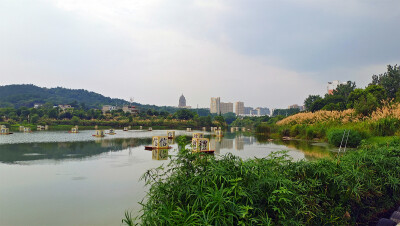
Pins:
x,y
263,128
285,132
385,126
335,137
310,134
297,130
203,190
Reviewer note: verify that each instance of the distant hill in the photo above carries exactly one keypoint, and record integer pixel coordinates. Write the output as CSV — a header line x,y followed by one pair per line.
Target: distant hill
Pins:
x,y
27,95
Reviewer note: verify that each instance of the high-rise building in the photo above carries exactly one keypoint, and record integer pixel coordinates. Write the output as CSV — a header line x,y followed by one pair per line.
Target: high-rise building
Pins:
x,y
262,111
253,112
226,107
215,105
239,108
182,102
247,110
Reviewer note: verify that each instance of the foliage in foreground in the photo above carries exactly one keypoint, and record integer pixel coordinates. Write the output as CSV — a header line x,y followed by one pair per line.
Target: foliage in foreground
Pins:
x,y
340,137
274,190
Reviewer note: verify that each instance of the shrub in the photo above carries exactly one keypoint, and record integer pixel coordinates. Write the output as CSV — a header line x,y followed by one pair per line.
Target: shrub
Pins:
x,y
298,130
263,128
285,132
202,190
385,126
310,133
335,137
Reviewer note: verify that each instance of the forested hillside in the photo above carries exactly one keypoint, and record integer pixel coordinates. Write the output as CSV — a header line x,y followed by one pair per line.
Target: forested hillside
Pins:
x,y
27,95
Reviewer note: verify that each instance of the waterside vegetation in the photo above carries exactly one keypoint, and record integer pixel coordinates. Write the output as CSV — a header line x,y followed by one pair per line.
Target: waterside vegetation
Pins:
x,y
203,190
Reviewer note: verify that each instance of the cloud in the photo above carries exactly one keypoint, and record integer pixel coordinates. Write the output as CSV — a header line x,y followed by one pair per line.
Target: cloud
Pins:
x,y
264,53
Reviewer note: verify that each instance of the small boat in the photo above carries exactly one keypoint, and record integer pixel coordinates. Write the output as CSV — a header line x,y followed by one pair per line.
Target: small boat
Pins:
x,y
126,129
149,148
205,151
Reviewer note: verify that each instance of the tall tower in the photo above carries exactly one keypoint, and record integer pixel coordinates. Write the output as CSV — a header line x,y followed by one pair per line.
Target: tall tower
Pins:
x,y
182,102
239,108
215,105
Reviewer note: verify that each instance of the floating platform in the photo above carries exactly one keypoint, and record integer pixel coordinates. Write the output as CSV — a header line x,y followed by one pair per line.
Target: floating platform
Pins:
x,y
206,152
154,148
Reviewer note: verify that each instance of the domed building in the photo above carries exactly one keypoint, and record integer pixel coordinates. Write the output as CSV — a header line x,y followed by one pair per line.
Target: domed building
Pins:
x,y
182,102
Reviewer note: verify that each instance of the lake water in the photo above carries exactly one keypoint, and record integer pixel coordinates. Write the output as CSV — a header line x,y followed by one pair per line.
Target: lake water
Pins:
x,y
58,178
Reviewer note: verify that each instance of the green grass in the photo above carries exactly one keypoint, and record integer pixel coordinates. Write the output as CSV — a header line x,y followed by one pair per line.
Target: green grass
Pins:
x,y
202,190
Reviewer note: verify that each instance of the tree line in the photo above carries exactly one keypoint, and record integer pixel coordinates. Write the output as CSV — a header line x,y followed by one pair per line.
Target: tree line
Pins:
x,y
383,87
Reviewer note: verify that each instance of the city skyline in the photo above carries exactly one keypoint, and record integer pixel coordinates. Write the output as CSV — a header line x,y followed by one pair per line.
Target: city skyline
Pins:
x,y
259,52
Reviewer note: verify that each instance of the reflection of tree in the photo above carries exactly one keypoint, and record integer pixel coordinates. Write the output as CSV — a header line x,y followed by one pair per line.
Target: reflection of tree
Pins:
x,y
310,151
11,153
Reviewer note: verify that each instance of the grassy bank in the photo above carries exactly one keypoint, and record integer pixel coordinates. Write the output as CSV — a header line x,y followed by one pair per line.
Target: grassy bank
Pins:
x,y
274,190
331,125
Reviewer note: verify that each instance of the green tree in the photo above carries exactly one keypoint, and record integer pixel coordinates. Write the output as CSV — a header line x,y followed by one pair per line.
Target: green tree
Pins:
x,y
184,114
377,91
309,101
366,104
398,96
354,96
332,107
219,120
75,120
317,105
34,118
389,80
229,117
344,90
53,113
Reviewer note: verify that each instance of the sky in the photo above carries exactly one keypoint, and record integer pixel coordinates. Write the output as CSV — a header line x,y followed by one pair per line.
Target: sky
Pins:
x,y
264,53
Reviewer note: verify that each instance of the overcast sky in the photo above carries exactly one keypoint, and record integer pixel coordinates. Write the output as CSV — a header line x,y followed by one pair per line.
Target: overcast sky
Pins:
x,y
264,53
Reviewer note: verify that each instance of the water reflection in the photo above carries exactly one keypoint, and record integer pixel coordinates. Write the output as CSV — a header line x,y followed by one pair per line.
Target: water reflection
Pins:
x,y
11,153
88,176
160,154
237,143
232,142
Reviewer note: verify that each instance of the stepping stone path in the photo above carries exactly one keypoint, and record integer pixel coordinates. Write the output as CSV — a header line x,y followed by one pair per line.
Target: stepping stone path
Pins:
x,y
393,221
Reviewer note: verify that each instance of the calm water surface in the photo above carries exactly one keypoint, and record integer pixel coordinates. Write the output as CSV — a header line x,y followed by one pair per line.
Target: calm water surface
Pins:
x,y
57,178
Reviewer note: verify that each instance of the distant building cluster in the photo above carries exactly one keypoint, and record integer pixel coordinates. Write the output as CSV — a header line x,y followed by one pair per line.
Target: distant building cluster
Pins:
x,y
295,106
333,85
218,107
65,107
125,109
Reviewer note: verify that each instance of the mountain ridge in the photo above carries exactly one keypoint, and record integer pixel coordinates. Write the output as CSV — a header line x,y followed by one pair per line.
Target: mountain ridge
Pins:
x,y
26,95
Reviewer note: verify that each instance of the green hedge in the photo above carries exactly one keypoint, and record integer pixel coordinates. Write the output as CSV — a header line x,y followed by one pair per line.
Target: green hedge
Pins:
x,y
335,137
